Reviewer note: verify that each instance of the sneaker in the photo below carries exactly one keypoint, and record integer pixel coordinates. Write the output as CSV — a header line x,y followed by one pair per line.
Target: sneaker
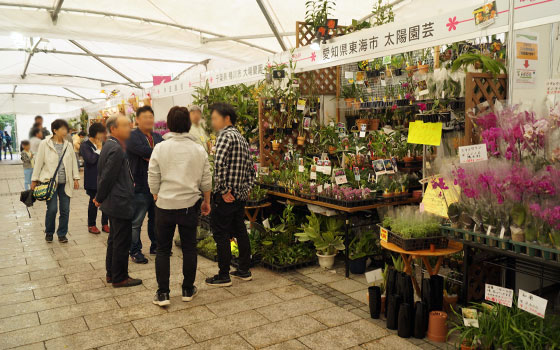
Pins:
x,y
109,279
139,258
49,238
94,230
161,299
129,282
105,228
62,239
189,293
219,281
245,276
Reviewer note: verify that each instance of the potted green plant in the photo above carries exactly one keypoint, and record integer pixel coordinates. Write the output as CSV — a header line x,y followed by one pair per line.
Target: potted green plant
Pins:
x,y
518,214
360,248
326,235
350,93
478,61
423,67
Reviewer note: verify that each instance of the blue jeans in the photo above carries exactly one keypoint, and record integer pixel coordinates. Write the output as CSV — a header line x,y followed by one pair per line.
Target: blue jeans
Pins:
x,y
27,172
50,218
143,203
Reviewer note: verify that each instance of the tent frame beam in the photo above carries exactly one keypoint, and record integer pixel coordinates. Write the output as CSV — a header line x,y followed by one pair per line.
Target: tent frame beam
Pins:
x,y
56,11
272,25
105,63
28,60
205,40
135,18
37,50
102,81
47,95
77,94
14,91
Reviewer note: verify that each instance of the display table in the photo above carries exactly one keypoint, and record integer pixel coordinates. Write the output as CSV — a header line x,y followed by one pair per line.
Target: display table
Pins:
x,y
346,211
407,256
257,208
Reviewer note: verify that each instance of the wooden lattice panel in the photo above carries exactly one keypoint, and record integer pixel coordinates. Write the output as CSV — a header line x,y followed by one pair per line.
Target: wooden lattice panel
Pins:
x,y
481,88
305,33
318,82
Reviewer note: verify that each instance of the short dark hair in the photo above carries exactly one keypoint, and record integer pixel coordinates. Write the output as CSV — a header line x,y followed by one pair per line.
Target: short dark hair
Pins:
x,y
144,109
82,133
224,109
178,119
38,116
23,143
59,123
95,129
35,131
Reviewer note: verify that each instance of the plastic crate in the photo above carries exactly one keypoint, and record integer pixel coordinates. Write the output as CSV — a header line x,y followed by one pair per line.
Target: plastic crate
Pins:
x,y
411,244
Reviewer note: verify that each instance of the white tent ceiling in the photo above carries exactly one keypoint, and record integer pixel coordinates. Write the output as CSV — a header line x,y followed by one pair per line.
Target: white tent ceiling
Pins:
x,y
168,34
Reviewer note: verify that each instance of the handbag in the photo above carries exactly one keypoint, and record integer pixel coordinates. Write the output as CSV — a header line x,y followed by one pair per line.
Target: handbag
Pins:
x,y
45,191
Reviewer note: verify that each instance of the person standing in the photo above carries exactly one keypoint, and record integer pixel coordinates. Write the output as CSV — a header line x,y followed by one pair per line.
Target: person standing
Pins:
x,y
77,140
8,145
139,149
178,174
35,140
27,160
115,196
51,150
90,151
234,176
197,130
39,124
1,143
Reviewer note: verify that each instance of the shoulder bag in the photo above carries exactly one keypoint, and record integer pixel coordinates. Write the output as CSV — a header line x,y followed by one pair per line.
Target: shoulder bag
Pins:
x,y
44,191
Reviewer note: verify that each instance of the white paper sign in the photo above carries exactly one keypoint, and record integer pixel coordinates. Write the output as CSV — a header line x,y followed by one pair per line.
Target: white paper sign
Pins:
x,y
340,177
349,75
553,87
374,276
313,175
266,223
470,317
473,153
499,295
327,170
531,303
301,168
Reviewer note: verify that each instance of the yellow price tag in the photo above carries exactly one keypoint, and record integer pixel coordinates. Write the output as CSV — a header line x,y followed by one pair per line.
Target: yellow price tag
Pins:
x,y
383,234
424,133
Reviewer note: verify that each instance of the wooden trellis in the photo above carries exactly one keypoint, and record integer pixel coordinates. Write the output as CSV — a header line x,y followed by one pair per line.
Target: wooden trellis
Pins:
x,y
479,89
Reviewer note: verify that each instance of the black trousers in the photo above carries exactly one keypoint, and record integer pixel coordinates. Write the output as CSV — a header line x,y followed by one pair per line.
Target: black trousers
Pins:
x,y
92,211
228,221
118,245
166,222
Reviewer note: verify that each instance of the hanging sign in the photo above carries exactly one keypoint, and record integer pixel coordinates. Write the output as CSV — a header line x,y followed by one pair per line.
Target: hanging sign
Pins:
x,y
436,200
473,153
424,133
499,295
383,234
485,15
526,56
340,177
531,303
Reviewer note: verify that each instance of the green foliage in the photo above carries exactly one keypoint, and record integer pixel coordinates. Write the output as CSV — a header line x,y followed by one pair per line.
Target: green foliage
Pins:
x,y
257,194
350,91
398,263
364,244
518,214
488,65
84,120
324,233
382,12
408,222
317,11
207,247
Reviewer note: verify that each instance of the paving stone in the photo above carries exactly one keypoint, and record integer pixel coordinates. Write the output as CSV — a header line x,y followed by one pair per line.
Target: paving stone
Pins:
x,y
293,344
35,346
228,342
325,277
392,342
76,310
290,292
122,315
218,327
294,307
170,339
344,336
281,331
35,305
21,287
347,286
109,291
16,298
18,322
173,320
41,333
93,338
45,292
27,268
239,304
334,316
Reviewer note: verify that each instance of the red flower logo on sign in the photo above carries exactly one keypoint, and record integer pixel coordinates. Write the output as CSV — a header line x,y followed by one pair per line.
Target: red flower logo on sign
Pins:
x,y
313,56
452,25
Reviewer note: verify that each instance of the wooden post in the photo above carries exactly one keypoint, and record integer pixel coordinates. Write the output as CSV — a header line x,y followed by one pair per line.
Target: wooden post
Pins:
x,y
436,57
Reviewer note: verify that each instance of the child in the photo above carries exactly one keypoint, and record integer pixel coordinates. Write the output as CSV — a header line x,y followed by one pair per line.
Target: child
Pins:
x,y
27,159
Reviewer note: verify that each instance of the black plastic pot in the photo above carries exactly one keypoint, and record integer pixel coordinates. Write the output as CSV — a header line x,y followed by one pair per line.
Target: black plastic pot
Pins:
x,y
436,293
427,294
405,321
420,320
391,282
374,301
393,305
358,266
405,289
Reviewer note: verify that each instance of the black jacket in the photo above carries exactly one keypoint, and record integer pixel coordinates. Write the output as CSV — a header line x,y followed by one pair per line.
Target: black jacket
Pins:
x,y
87,151
115,186
139,153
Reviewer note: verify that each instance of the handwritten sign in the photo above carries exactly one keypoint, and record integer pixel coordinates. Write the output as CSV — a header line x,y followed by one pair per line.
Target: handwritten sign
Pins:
x,y
436,200
553,87
473,153
374,276
424,133
383,234
531,303
499,295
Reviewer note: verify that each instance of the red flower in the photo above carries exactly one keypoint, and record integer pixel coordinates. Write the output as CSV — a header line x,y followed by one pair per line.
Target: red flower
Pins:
x,y
393,107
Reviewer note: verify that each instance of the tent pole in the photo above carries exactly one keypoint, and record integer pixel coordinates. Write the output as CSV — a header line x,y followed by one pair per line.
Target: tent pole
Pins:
x,y
272,25
24,74
77,94
56,11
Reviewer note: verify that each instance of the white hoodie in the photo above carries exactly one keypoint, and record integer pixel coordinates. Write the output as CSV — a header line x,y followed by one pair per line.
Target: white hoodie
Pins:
x,y
179,171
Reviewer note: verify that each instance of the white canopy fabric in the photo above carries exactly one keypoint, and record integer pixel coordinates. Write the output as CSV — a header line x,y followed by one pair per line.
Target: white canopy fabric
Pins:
x,y
62,74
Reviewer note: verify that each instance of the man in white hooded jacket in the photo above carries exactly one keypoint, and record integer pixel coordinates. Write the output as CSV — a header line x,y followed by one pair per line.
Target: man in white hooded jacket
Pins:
x,y
178,176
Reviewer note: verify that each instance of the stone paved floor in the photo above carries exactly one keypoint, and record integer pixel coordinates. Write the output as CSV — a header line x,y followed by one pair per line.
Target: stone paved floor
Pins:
x,y
53,296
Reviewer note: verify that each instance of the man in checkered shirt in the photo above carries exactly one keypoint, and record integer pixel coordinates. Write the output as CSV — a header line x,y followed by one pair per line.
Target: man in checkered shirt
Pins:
x,y
234,176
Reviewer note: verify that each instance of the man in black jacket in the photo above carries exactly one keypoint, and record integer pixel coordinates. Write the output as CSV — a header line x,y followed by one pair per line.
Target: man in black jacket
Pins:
x,y
139,149
115,195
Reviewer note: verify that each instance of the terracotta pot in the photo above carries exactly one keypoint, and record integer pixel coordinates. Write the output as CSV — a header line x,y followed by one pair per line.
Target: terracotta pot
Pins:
x,y
361,122
275,146
373,124
349,102
437,326
408,159
418,158
465,346
450,302
424,68
356,104
332,149
301,140
410,70
417,194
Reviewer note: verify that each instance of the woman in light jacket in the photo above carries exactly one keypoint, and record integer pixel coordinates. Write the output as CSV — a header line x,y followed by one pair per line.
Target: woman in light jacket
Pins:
x,y
51,149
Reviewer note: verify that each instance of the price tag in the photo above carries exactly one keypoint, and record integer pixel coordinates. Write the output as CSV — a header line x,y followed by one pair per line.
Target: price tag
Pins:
x,y
489,230
499,295
384,234
340,177
301,168
313,175
473,153
301,104
374,276
502,232
266,223
386,60
319,188
424,133
470,317
531,303
327,170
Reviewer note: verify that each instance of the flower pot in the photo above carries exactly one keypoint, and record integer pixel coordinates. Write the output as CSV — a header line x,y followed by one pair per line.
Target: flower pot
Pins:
x,y
418,158
420,320
349,102
332,149
408,159
410,70
326,261
383,304
466,346
423,68
373,124
416,194
358,266
405,321
450,302
374,297
275,145
301,140
517,234
356,104
437,326
393,305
